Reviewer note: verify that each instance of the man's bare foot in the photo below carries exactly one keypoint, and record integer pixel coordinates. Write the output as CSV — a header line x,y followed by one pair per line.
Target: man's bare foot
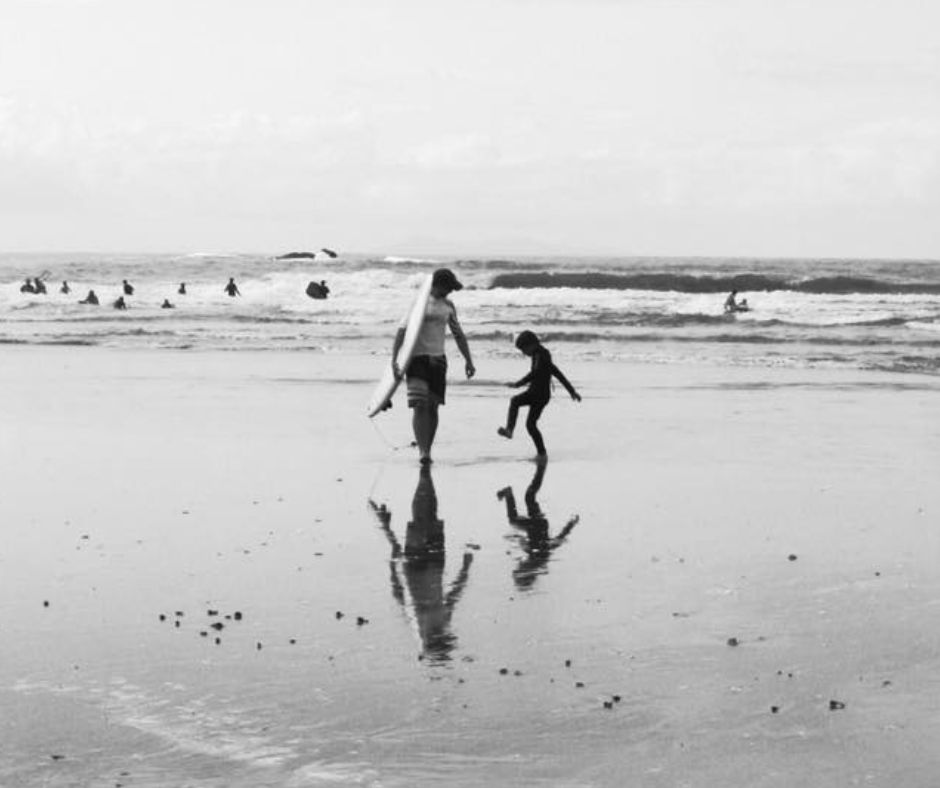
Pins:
x,y
504,432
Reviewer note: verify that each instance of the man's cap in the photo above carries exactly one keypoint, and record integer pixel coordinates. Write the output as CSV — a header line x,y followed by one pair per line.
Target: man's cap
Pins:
x,y
444,276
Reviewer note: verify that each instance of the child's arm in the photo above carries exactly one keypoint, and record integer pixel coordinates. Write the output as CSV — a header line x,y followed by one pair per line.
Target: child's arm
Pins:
x,y
566,383
521,382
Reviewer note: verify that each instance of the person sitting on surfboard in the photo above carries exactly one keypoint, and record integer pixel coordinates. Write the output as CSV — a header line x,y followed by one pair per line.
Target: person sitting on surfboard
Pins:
x,y
318,291
426,375
730,304
539,392
91,298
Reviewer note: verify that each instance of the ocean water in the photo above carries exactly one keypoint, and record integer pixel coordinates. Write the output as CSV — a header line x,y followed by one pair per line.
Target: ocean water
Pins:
x,y
861,314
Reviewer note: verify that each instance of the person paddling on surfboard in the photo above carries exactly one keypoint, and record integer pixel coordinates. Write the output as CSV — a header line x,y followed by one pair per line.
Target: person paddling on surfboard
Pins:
x,y
426,375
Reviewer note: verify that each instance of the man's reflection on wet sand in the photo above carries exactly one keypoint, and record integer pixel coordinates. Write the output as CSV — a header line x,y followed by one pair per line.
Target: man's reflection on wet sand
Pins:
x,y
421,563
534,539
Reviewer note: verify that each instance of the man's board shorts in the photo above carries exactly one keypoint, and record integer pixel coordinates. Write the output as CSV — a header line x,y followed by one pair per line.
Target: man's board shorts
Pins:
x,y
427,380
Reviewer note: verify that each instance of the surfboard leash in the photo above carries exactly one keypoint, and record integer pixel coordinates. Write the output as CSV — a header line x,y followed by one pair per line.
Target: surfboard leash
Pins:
x,y
385,440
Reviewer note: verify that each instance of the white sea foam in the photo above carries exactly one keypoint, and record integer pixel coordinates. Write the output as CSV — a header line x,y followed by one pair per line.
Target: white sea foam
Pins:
x,y
629,306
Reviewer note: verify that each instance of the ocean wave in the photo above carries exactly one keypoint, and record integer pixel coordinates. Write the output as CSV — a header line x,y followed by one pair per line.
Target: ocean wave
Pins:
x,y
392,259
690,283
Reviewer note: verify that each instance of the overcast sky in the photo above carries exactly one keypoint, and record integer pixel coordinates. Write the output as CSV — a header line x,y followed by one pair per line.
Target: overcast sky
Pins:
x,y
653,127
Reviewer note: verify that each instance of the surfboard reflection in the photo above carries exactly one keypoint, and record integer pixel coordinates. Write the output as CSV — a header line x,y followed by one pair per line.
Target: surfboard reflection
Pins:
x,y
416,572
534,538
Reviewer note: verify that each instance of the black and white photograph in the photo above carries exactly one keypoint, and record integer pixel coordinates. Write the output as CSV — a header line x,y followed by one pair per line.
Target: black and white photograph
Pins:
x,y
469,393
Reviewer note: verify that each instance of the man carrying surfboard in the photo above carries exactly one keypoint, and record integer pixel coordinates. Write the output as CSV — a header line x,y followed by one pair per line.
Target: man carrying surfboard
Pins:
x,y
426,374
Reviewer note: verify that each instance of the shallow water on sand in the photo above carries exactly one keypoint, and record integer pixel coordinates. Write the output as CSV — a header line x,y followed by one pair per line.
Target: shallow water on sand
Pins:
x,y
490,621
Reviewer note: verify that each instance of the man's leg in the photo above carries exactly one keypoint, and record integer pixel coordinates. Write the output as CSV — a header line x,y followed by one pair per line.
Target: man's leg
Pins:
x,y
424,426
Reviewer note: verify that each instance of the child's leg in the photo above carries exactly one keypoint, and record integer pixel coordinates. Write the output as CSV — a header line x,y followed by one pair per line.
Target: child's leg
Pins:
x,y
532,425
512,415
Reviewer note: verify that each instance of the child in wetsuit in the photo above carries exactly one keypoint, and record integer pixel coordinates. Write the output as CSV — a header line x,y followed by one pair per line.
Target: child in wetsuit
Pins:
x,y
539,392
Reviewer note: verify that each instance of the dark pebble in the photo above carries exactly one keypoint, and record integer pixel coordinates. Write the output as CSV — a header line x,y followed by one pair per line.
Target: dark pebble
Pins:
x,y
258,646
238,615
203,634
178,614
504,671
791,557
608,704
218,626
292,641
176,624
517,673
45,603
162,617
616,699
360,621
567,663
212,612
836,705
774,709
218,641
733,642
57,757
339,614
579,684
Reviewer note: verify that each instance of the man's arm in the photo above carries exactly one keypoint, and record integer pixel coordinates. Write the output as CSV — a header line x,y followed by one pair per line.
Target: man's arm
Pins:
x,y
396,346
461,340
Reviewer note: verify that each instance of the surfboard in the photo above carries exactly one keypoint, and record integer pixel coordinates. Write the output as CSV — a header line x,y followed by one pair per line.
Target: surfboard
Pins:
x,y
382,396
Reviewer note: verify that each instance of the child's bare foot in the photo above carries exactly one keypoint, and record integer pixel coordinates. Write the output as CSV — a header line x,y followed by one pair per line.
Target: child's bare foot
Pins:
x,y
504,432
503,493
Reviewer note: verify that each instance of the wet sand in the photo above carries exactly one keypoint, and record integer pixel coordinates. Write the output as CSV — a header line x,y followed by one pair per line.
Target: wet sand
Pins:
x,y
722,577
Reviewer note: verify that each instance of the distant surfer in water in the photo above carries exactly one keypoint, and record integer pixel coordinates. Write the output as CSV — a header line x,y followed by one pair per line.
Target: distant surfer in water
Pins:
x,y
182,288
231,288
426,375
91,298
732,305
539,392
166,304
128,287
318,291
65,288
120,303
